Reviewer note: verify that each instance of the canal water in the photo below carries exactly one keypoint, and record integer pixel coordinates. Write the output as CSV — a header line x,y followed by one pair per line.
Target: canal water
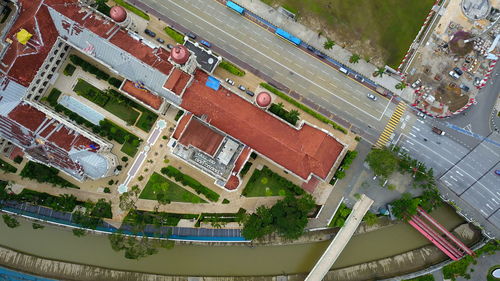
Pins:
x,y
61,244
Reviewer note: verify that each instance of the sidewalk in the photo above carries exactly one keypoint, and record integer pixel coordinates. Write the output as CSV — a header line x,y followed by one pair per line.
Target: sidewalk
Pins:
x,y
314,39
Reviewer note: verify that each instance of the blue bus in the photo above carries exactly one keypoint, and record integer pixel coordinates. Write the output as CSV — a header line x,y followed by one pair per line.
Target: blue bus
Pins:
x,y
288,36
235,7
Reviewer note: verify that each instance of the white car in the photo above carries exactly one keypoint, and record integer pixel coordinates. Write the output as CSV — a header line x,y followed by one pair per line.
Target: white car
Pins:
x,y
454,74
372,97
230,82
421,115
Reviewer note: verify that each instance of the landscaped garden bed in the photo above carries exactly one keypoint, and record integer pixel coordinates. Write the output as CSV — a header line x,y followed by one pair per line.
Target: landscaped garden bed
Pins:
x,y
44,174
162,189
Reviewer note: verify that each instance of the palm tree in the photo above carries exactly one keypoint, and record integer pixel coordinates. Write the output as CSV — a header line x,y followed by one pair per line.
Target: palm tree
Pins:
x,y
294,115
354,58
379,72
401,85
328,44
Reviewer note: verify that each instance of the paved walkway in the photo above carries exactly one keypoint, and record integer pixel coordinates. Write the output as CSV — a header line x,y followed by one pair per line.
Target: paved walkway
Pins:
x,y
338,243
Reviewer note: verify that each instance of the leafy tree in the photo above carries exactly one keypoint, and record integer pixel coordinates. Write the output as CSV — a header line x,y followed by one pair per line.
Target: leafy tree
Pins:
x,y
379,72
18,159
66,202
258,224
128,199
382,161
11,222
354,58
107,190
400,85
136,248
328,44
124,158
405,207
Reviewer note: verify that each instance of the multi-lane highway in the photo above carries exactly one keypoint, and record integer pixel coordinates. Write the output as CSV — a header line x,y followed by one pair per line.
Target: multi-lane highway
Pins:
x,y
277,59
465,175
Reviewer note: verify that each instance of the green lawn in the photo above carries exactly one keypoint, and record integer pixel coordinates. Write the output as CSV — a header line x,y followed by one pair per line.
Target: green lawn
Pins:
x,y
173,191
146,121
389,25
119,108
267,183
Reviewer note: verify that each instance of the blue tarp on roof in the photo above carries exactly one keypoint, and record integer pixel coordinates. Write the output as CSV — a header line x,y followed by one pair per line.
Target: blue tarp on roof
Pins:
x,y
213,83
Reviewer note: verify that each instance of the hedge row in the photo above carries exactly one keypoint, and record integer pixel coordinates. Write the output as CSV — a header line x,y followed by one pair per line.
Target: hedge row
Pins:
x,y
115,82
345,164
53,97
64,202
303,107
186,180
88,67
231,68
69,69
6,167
178,37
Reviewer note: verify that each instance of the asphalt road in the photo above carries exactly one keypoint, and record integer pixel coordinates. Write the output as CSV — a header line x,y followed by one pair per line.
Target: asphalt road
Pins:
x,y
465,175
278,60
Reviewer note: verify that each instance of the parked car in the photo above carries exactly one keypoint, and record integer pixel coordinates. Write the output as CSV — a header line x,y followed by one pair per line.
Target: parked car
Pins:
x,y
438,131
372,97
230,82
310,48
464,87
343,70
359,78
477,81
421,115
416,84
205,43
250,93
160,40
170,46
191,35
454,74
242,88
458,71
497,172
149,32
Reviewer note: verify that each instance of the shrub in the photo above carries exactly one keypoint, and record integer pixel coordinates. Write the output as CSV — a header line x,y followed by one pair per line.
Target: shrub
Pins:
x,y
178,37
178,115
225,201
11,222
289,116
37,226
110,182
245,169
69,69
124,158
88,67
79,232
303,107
8,168
115,82
18,159
107,190
231,68
44,174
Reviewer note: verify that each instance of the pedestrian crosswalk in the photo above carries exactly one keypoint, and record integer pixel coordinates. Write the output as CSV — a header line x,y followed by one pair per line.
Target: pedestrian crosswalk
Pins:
x,y
391,125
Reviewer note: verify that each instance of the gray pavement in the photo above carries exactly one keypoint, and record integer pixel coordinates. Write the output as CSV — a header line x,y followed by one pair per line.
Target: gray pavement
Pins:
x,y
466,176
264,52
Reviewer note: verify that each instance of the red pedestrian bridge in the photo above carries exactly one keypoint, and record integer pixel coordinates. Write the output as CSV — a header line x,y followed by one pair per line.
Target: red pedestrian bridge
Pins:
x,y
439,236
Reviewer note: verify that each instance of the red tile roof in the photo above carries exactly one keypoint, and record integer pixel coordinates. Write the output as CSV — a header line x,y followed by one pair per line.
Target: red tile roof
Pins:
x,y
177,81
156,59
27,116
310,185
21,62
304,151
202,137
181,125
241,159
145,96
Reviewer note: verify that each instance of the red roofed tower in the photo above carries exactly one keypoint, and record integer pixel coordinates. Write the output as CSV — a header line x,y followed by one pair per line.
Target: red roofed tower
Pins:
x,y
263,99
181,57
120,16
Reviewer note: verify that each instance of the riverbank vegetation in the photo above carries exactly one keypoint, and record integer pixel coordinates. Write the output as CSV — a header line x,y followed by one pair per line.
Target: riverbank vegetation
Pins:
x,y
9,221
287,218
136,248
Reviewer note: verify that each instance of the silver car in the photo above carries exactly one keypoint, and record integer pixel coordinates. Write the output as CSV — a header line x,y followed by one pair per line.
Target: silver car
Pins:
x,y
372,97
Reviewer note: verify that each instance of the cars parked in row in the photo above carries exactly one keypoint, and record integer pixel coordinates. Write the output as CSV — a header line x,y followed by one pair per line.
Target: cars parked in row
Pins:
x,y
242,88
160,40
149,32
359,78
230,82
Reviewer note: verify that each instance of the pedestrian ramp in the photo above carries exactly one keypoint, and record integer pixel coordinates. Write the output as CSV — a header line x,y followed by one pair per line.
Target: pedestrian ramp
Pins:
x,y
391,125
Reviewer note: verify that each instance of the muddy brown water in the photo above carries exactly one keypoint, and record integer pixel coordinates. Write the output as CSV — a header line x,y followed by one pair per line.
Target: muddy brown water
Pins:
x,y
61,244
